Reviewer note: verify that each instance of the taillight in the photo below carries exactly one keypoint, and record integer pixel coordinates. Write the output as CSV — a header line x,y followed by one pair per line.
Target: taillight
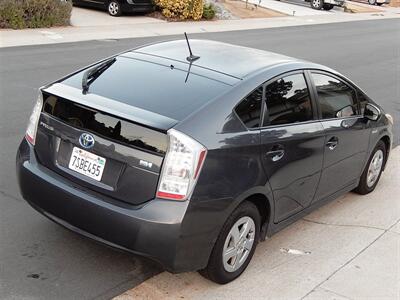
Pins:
x,y
34,119
181,168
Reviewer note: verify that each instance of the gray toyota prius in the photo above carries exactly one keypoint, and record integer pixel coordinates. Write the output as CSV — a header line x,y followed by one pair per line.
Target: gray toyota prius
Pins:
x,y
191,152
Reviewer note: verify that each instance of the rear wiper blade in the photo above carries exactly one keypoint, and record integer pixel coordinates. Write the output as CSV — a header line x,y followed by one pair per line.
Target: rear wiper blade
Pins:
x,y
92,74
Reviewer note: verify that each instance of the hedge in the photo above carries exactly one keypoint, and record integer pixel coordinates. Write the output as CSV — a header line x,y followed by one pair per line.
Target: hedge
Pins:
x,y
182,9
20,14
208,11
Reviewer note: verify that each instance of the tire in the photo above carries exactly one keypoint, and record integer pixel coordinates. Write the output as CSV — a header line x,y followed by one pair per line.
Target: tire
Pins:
x,y
317,4
114,8
327,6
373,170
372,2
222,270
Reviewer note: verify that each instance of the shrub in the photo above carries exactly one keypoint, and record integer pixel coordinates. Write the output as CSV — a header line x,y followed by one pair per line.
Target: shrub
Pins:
x,y
20,14
208,11
182,9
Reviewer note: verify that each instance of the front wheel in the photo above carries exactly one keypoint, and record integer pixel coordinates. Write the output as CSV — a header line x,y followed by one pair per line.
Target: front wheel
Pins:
x,y
114,8
373,170
235,245
317,4
372,2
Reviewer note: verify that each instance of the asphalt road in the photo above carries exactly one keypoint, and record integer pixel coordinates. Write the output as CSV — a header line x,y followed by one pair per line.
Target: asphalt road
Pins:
x,y
41,260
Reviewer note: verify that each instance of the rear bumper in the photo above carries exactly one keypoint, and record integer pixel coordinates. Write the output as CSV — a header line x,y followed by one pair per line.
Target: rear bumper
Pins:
x,y
152,230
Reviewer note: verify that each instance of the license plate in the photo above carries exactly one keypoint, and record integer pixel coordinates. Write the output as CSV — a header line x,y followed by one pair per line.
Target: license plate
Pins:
x,y
86,163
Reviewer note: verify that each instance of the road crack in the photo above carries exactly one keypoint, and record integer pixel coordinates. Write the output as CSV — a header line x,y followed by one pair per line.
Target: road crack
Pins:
x,y
344,225
335,293
9,196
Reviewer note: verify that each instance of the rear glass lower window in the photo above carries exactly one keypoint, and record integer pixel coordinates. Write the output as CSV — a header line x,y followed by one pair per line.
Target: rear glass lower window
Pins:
x,y
107,126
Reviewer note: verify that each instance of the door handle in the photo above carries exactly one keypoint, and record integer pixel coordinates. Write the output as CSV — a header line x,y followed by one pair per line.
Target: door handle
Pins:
x,y
332,143
276,152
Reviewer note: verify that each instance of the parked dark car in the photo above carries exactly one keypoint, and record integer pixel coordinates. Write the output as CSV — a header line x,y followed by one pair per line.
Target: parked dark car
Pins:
x,y
117,7
192,160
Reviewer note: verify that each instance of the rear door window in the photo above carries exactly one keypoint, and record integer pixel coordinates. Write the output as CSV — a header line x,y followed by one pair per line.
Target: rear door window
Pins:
x,y
288,101
336,99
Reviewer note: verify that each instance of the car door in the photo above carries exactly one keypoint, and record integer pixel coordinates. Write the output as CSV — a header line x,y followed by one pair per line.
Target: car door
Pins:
x,y
346,133
292,143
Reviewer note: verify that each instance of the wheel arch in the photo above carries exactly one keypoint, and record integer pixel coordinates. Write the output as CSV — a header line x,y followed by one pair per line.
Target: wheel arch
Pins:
x,y
386,140
264,207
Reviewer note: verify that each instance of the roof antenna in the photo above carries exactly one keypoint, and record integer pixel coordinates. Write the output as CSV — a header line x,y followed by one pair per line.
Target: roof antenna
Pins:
x,y
191,58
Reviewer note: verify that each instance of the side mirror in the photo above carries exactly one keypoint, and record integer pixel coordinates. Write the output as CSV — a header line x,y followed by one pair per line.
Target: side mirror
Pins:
x,y
346,111
371,112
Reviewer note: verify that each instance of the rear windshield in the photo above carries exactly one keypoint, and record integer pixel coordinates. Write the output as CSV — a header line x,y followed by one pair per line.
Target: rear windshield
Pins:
x,y
159,88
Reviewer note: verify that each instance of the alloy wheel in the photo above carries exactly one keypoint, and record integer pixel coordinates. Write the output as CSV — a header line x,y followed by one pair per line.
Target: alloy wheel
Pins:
x,y
375,167
113,8
238,244
316,3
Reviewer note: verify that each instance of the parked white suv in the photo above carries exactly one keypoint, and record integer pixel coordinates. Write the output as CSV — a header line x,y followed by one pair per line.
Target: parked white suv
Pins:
x,y
326,4
378,2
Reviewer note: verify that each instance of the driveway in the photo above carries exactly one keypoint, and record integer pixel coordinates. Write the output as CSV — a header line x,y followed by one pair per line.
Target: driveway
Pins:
x,y
294,7
88,17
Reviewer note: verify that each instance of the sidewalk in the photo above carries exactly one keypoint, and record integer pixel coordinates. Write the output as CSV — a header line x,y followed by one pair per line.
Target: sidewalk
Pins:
x,y
292,9
155,27
348,249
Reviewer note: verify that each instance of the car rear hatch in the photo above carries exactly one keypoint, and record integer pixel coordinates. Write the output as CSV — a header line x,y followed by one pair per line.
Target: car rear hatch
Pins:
x,y
127,109
133,152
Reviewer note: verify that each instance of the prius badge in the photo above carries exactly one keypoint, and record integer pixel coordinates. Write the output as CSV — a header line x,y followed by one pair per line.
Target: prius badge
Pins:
x,y
86,140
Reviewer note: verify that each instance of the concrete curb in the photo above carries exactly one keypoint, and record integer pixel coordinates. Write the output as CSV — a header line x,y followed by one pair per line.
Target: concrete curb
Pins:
x,y
12,38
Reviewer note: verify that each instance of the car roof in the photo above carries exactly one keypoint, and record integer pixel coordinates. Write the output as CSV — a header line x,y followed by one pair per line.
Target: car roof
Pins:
x,y
231,60
158,79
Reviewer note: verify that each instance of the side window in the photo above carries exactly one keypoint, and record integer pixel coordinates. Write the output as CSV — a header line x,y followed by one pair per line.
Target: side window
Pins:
x,y
249,110
336,99
288,101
